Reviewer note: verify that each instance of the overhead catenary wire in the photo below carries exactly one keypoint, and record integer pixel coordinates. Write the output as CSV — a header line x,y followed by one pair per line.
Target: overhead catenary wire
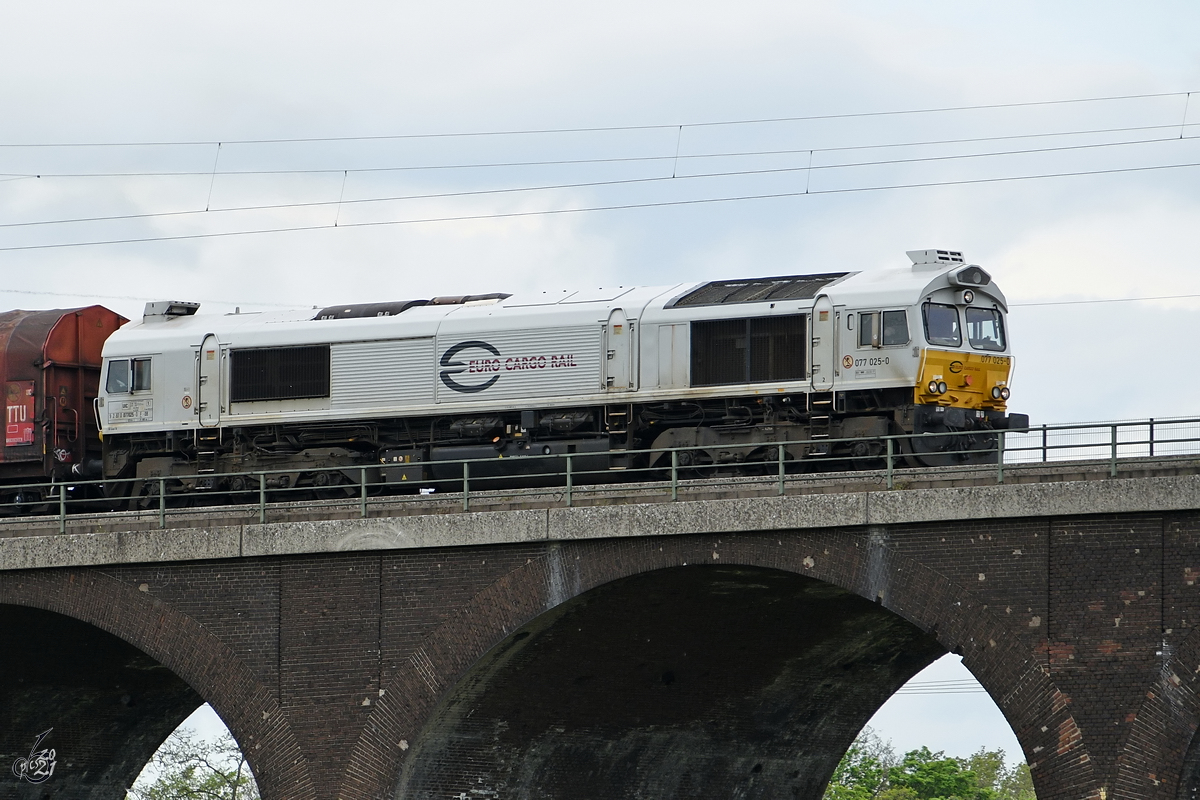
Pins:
x,y
962,686
1102,300
605,128
610,160
809,168
93,296
588,209
213,181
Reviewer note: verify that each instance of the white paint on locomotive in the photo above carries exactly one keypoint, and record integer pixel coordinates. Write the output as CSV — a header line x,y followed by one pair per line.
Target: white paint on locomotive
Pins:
x,y
522,352
727,365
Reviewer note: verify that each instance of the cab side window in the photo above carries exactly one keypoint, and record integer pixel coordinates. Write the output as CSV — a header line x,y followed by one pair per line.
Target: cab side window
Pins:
x,y
141,375
895,328
118,377
128,375
868,329
882,329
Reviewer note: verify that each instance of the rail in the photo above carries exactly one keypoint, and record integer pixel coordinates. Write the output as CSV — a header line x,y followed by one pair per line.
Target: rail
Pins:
x,y
775,464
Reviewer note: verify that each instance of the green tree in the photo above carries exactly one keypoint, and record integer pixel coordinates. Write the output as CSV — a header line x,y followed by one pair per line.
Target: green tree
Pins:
x,y
1004,782
863,771
932,775
189,767
870,770
988,766
1017,784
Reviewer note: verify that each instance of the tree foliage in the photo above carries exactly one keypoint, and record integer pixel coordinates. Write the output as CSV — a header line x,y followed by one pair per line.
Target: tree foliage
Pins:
x,y
190,767
871,770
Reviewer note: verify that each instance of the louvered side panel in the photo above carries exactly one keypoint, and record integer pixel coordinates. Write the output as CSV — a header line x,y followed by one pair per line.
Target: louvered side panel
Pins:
x,y
390,374
535,364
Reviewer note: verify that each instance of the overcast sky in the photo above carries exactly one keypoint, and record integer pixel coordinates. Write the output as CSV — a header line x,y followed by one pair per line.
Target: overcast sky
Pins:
x,y
189,76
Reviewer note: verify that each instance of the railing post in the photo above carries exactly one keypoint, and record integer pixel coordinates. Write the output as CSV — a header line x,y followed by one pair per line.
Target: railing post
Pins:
x,y
62,508
162,502
363,481
1112,464
890,448
262,498
1000,457
1044,443
466,486
568,481
674,474
1152,437
781,473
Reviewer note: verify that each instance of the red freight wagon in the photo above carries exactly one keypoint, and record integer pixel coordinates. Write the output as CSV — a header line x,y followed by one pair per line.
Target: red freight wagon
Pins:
x,y
49,376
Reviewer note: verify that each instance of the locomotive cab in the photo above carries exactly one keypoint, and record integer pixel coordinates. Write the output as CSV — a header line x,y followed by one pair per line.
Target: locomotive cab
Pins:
x,y
962,383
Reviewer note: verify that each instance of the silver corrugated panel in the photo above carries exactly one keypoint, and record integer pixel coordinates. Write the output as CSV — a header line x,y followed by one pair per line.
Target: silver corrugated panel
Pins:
x,y
511,364
381,374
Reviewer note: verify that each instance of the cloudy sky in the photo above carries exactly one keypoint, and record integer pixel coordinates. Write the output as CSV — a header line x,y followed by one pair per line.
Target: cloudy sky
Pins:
x,y
164,116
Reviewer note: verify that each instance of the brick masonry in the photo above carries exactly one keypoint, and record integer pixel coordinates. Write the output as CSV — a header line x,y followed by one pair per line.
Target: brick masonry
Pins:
x,y
520,669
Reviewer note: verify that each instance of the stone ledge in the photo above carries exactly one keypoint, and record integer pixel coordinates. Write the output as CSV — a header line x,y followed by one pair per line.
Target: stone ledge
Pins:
x,y
394,533
718,516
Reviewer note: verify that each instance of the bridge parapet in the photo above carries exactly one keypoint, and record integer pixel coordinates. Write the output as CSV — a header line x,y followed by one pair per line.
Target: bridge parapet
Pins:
x,y
844,500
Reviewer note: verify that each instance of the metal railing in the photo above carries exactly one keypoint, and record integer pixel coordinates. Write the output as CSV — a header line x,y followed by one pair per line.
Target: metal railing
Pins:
x,y
659,472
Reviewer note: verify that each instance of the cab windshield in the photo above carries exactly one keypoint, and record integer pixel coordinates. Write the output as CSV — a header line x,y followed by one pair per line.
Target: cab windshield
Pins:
x,y
985,329
941,325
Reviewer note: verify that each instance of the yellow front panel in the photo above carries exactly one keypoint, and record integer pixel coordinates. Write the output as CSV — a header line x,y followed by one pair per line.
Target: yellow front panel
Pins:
x,y
969,376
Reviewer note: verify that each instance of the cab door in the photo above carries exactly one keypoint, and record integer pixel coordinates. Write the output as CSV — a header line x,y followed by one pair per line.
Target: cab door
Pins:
x,y
208,382
618,345
823,352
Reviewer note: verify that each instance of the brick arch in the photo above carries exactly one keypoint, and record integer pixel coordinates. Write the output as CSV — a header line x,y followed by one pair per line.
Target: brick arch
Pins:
x,y
1037,711
191,652
1163,745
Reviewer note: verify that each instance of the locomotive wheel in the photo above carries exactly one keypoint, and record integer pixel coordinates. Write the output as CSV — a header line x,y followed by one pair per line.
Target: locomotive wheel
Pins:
x,y
29,501
696,464
331,486
146,498
950,451
759,462
8,504
243,489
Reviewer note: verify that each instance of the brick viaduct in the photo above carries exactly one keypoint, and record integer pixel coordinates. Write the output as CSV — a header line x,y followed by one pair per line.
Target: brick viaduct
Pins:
x,y
730,644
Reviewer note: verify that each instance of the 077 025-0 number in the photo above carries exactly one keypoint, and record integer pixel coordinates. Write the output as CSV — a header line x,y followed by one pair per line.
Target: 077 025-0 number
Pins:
x,y
872,362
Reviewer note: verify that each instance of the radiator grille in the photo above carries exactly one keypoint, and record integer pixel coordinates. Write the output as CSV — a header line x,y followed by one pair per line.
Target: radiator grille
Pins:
x,y
757,290
279,373
754,350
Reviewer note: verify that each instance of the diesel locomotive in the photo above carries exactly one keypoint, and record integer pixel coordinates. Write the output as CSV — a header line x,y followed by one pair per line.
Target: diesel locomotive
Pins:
x,y
828,363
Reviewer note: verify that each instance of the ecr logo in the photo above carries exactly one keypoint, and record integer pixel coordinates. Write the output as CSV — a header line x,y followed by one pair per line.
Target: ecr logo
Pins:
x,y
480,366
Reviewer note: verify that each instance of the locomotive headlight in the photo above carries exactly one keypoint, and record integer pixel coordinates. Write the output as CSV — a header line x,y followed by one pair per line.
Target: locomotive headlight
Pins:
x,y
968,296
995,392
1004,393
932,387
942,387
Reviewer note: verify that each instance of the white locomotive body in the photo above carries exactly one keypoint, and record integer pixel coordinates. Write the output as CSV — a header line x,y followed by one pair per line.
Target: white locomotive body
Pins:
x,y
724,367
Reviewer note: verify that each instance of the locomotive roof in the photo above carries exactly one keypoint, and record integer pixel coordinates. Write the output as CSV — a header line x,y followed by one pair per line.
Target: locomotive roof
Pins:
x,y
863,289
897,286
